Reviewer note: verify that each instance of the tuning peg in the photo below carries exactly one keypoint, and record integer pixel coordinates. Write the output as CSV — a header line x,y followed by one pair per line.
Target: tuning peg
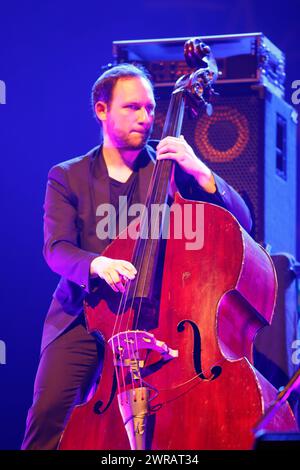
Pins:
x,y
195,51
213,92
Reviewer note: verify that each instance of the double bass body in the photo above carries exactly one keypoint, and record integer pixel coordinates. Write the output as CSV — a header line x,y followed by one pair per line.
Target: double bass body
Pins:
x,y
213,301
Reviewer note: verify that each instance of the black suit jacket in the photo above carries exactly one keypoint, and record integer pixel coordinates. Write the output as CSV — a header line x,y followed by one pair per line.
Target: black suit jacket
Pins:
x,y
75,189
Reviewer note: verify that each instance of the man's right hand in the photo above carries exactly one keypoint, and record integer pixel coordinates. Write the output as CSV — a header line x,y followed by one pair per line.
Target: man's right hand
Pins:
x,y
115,272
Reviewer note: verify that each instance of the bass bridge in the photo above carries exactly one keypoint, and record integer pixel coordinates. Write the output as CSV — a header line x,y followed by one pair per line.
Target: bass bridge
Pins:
x,y
134,399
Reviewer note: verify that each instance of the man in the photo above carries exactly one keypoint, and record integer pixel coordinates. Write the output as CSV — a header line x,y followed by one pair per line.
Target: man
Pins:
x,y
70,360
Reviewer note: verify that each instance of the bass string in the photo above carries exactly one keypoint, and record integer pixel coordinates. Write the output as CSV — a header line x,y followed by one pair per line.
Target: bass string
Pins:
x,y
177,125
159,167
156,177
124,296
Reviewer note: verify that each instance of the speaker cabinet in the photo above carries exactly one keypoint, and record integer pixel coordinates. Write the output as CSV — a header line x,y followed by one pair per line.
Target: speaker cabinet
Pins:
x,y
250,141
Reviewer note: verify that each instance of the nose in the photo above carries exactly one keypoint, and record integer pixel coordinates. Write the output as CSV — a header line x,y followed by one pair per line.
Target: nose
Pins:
x,y
145,116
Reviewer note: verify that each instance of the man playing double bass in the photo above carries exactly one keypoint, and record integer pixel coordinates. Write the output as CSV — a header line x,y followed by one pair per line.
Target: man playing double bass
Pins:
x,y
122,165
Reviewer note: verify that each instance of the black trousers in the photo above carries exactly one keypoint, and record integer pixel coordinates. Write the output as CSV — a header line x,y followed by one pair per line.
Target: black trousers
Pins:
x,y
68,368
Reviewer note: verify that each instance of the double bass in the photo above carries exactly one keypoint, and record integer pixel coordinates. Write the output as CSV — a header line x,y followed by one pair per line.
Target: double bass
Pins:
x,y
178,368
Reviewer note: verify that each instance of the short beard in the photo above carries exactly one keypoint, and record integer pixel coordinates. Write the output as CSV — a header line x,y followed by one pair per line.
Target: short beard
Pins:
x,y
127,144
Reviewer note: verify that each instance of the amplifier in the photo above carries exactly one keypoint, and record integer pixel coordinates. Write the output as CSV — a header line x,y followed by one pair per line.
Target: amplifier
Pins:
x,y
241,58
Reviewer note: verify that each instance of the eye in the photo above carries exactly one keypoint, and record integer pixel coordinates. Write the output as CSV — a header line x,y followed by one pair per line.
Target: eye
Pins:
x,y
135,107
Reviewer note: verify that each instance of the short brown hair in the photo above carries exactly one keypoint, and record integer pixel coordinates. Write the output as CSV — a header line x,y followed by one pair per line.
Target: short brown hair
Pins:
x,y
103,87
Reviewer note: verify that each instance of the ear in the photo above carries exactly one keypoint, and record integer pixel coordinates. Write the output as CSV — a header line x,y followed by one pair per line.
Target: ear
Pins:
x,y
101,110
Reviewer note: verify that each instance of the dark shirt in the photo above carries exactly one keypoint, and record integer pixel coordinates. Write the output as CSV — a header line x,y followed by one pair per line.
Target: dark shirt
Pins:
x,y
128,189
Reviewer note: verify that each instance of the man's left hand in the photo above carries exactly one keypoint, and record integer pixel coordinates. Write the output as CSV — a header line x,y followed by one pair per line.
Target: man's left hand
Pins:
x,y
177,149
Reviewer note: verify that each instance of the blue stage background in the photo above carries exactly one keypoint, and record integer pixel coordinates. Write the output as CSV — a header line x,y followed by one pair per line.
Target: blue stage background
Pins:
x,y
50,55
